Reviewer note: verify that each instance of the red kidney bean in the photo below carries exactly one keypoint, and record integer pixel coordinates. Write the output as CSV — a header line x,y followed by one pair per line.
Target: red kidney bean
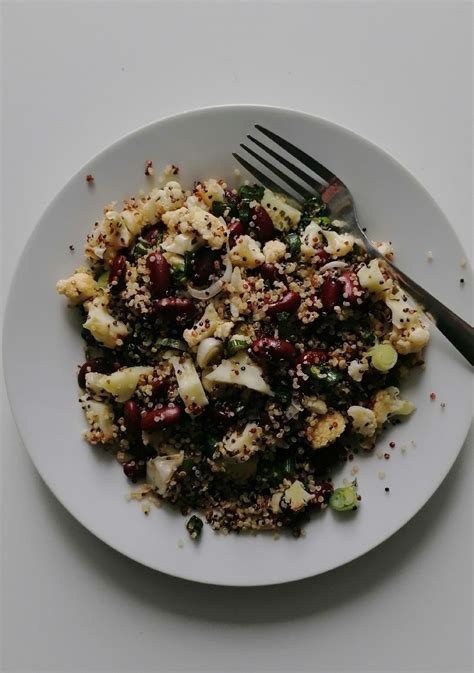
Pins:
x,y
160,274
161,418
331,291
314,357
350,283
264,229
134,469
321,257
159,387
174,306
269,272
236,229
132,417
204,265
289,303
117,273
151,234
99,365
270,348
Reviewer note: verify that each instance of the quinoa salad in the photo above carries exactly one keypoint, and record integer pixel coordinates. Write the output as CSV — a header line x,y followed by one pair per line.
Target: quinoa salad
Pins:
x,y
238,347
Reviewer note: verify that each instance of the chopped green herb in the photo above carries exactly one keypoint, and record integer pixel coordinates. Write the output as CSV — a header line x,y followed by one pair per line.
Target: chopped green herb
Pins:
x,y
294,244
218,208
194,527
344,499
188,465
171,343
251,192
244,212
282,394
178,274
209,444
312,209
367,337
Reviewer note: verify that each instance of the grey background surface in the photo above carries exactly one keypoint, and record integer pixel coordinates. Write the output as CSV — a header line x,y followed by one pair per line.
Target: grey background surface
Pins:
x,y
77,75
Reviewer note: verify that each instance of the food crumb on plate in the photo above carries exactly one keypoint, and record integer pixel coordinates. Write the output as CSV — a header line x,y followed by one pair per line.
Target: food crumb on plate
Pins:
x,y
90,178
180,544
381,474
429,255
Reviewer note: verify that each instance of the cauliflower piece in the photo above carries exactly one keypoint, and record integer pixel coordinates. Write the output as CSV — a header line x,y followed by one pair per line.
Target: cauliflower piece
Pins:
x,y
206,227
240,371
274,251
295,497
223,330
363,420
387,403
356,369
371,278
326,429
100,417
338,245
104,328
189,384
247,253
161,470
80,287
170,197
240,445
179,244
314,404
121,384
205,327
403,314
310,240
284,216
385,248
108,237
208,192
412,339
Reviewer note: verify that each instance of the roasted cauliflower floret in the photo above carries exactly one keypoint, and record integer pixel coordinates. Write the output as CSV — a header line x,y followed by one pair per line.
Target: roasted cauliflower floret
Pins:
x,y
161,470
274,251
387,403
100,417
364,421
159,201
356,370
283,215
240,445
295,497
80,287
121,384
247,253
324,430
314,404
203,225
371,278
209,191
338,245
239,370
204,327
104,328
411,340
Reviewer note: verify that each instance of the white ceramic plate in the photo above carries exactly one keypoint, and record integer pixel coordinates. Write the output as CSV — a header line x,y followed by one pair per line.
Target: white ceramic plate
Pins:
x,y
42,347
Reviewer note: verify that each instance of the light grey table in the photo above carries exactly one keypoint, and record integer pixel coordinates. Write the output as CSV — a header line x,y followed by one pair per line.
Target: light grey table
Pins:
x,y
76,76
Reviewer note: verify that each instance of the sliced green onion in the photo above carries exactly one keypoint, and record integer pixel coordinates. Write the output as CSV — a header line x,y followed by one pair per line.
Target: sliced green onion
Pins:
x,y
383,357
140,248
237,343
294,244
344,499
103,279
324,222
171,343
194,527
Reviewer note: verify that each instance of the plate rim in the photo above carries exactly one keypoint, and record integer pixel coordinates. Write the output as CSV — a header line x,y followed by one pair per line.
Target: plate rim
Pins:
x,y
104,538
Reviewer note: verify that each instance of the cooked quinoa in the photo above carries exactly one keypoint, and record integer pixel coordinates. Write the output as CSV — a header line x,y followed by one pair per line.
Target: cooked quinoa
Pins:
x,y
238,347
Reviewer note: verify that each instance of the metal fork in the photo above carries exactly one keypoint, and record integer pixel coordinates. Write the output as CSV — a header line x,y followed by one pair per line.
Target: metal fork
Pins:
x,y
340,204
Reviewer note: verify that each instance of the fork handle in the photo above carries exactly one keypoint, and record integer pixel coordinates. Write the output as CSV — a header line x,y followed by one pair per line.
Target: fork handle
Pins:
x,y
454,328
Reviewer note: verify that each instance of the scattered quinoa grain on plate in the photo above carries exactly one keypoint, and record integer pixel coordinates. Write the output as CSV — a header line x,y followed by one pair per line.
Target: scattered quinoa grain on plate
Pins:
x,y
238,346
